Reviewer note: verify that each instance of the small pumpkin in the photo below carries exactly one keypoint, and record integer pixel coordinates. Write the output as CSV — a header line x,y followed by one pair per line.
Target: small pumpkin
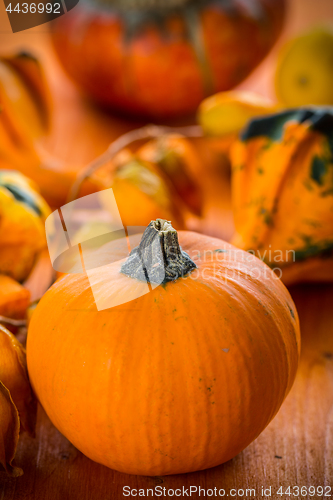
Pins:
x,y
162,58
18,406
22,215
282,192
181,378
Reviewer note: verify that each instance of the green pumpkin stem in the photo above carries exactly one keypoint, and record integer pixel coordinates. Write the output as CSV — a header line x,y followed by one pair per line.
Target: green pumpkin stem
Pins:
x,y
159,257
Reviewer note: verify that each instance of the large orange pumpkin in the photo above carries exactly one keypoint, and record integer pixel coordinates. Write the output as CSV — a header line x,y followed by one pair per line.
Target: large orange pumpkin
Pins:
x,y
180,379
162,58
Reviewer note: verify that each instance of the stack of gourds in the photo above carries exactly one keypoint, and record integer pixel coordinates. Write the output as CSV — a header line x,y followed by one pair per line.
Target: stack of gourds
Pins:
x,y
202,360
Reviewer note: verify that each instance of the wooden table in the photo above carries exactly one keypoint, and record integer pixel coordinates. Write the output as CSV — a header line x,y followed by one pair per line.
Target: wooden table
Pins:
x,y
295,449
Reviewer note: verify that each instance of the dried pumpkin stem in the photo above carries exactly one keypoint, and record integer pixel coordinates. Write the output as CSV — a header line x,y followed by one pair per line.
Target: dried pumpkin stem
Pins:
x,y
147,132
159,257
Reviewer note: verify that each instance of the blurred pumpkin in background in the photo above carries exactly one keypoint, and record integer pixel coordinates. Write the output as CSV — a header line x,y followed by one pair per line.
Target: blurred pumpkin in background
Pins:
x,y
282,192
161,58
304,73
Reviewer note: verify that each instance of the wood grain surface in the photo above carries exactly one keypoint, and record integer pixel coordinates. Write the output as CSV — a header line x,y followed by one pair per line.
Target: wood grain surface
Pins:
x,y
297,447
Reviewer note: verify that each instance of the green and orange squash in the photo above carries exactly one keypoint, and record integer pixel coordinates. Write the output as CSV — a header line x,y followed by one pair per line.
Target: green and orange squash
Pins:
x,y
282,192
22,216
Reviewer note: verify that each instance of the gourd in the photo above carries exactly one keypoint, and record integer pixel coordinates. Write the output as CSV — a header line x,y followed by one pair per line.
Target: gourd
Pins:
x,y
160,59
181,378
282,192
22,215
225,114
157,179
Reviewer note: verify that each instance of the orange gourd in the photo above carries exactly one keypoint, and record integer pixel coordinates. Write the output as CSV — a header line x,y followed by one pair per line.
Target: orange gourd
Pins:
x,y
282,192
181,378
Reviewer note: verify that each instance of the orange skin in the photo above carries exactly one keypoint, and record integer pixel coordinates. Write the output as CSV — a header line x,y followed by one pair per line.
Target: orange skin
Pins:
x,y
158,74
146,387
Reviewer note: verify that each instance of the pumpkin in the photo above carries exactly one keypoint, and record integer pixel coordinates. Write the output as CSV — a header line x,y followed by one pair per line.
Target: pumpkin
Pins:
x,y
282,192
160,59
18,406
182,377
22,215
